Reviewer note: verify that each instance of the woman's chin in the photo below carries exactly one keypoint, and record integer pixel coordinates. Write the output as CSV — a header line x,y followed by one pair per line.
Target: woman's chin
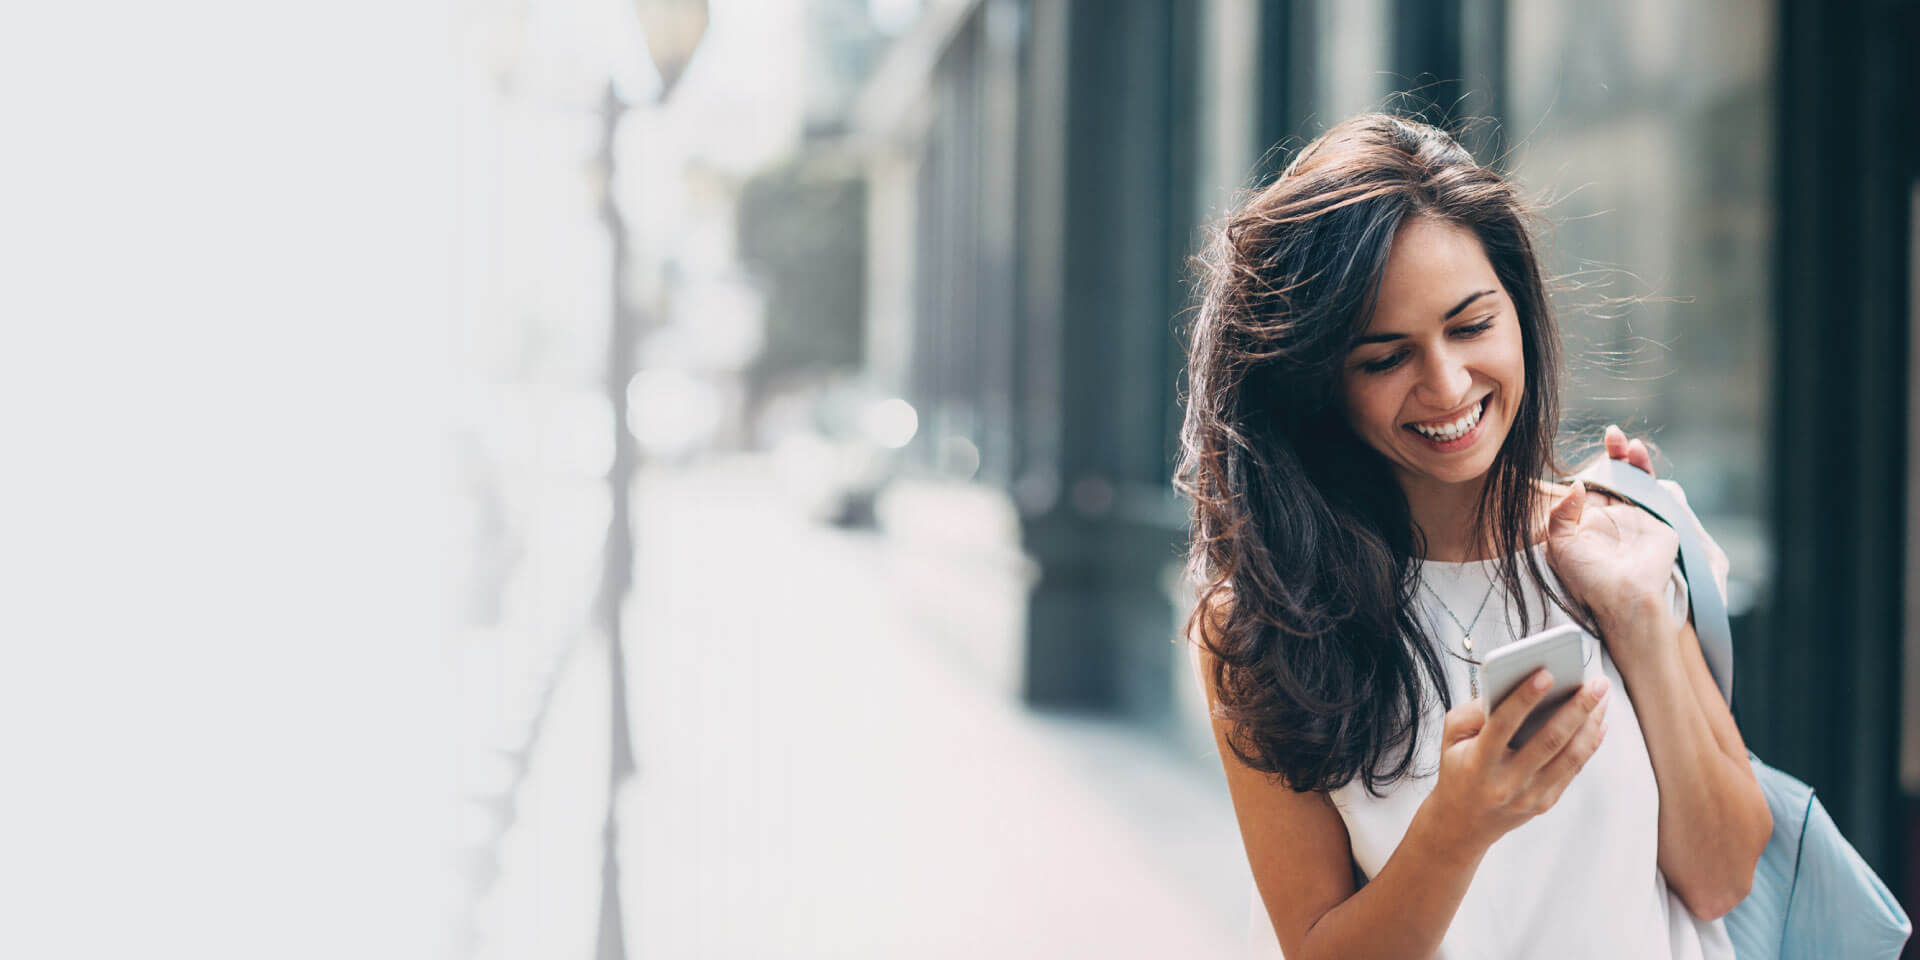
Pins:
x,y
1454,467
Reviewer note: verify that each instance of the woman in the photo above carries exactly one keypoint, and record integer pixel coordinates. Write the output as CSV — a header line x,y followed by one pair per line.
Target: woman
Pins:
x,y
1373,397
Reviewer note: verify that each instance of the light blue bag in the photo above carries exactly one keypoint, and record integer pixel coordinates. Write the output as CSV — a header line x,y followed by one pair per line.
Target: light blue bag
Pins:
x,y
1813,896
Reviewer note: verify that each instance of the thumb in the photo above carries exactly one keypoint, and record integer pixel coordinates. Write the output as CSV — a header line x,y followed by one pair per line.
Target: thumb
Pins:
x,y
1462,722
1565,516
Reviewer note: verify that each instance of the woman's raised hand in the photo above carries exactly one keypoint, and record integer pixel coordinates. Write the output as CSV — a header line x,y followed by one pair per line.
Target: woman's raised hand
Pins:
x,y
1615,558
1635,453
1487,787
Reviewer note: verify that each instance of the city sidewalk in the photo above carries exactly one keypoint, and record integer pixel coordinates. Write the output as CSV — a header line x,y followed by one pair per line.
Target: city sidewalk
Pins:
x,y
818,777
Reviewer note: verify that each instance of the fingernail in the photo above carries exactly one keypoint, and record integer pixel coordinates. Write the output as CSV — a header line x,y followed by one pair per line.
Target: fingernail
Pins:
x,y
1542,681
1600,685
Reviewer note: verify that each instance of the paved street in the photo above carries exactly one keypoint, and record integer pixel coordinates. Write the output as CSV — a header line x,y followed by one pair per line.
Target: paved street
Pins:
x,y
819,777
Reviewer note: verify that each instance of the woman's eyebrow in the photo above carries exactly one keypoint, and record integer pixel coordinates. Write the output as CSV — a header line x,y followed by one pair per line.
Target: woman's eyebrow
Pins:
x,y
1462,305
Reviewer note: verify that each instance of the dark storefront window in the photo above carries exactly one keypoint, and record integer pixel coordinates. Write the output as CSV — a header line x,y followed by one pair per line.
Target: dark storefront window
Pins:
x,y
1652,126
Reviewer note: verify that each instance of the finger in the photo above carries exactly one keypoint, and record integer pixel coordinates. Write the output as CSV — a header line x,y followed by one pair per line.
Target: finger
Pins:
x,y
1564,519
1698,528
1462,722
1508,714
1678,492
1616,441
1574,756
1716,557
1565,724
1638,456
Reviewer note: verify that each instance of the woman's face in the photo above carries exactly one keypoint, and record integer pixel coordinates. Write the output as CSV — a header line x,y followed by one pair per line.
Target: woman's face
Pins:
x,y
1443,347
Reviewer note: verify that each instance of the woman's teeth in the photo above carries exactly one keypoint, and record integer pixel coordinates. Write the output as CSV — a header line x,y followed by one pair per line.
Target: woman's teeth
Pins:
x,y
1458,428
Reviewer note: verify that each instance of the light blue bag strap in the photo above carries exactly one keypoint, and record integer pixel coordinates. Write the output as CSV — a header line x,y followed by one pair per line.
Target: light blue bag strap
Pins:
x,y
1628,482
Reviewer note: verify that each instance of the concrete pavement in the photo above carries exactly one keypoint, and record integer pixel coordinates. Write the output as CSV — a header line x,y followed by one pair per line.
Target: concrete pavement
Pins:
x,y
821,777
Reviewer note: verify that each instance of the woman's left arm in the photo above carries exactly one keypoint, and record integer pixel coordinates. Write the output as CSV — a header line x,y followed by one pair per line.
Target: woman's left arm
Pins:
x,y
1714,821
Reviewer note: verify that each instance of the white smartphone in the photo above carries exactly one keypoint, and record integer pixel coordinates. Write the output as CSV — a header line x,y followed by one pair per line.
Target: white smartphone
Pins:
x,y
1558,649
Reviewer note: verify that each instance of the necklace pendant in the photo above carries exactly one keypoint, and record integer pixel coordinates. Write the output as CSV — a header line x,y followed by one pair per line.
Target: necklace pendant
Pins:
x,y
1467,642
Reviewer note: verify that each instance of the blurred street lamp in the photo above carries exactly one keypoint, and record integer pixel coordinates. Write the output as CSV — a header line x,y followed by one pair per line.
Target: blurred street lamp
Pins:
x,y
673,30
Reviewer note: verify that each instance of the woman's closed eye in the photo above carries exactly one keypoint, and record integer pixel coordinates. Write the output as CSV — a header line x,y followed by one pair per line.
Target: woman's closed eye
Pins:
x,y
1392,360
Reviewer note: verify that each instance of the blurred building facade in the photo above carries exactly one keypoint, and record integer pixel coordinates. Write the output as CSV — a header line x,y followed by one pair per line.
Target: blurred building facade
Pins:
x,y
1038,171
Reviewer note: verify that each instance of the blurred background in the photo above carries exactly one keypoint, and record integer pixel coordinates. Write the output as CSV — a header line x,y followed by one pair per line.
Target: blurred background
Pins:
x,y
693,475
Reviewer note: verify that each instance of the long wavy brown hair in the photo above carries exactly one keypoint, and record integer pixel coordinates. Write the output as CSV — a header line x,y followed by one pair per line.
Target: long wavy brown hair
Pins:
x,y
1303,546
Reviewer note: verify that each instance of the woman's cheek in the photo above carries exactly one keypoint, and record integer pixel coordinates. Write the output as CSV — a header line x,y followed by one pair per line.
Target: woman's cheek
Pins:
x,y
1383,411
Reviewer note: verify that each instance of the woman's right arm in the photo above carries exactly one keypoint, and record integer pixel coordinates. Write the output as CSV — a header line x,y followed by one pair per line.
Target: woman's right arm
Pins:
x,y
1301,855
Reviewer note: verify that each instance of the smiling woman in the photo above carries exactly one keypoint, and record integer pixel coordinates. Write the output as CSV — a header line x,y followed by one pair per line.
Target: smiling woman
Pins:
x,y
1373,399
1433,382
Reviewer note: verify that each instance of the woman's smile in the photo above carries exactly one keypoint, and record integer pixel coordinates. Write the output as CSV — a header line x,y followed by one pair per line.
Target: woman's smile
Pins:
x,y
1456,434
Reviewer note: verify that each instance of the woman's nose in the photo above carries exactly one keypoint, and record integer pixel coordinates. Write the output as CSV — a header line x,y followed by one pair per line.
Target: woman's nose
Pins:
x,y
1446,379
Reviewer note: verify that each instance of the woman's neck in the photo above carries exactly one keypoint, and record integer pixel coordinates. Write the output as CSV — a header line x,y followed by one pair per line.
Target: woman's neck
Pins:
x,y
1444,514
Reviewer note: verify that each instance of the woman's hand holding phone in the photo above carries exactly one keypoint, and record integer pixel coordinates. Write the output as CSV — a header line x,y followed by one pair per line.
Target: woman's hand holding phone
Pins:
x,y
1486,788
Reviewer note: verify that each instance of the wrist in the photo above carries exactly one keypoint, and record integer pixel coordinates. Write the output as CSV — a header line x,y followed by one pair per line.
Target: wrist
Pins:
x,y
1635,627
1447,834
1636,613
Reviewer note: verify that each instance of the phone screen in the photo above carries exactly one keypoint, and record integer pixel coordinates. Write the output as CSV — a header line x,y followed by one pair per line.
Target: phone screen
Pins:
x,y
1559,650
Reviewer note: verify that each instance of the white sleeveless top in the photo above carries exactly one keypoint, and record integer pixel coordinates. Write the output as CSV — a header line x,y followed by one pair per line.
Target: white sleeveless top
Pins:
x,y
1580,880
